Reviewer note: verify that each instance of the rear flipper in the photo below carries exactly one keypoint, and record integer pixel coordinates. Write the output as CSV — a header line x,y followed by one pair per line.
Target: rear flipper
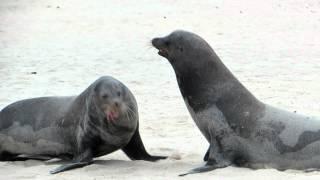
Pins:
x,y
311,170
31,157
81,160
6,156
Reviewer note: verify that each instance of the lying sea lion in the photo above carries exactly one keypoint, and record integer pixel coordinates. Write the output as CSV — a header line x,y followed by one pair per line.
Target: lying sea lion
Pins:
x,y
101,120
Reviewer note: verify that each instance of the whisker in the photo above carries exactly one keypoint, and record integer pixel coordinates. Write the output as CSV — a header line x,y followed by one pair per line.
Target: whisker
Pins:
x,y
127,114
134,113
130,112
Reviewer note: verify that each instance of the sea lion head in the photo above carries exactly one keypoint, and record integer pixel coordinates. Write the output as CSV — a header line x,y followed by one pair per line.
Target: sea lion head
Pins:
x,y
183,49
113,99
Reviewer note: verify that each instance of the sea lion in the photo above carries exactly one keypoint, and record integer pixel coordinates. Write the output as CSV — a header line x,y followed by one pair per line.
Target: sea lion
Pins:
x,y
241,130
102,119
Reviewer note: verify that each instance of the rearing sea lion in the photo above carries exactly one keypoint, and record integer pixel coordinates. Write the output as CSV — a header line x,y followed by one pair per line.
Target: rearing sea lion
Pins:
x,y
241,130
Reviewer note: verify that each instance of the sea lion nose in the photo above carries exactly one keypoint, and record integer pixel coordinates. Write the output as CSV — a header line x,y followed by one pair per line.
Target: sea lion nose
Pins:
x,y
116,104
156,42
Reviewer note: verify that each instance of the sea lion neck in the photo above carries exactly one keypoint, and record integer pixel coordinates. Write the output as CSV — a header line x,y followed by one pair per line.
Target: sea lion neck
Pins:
x,y
210,82
77,111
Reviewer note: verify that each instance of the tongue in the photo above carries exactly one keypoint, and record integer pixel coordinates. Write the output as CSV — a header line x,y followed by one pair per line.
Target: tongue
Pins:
x,y
112,116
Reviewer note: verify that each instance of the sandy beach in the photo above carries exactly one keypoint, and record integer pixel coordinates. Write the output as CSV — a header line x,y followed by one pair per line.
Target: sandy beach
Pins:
x,y
57,47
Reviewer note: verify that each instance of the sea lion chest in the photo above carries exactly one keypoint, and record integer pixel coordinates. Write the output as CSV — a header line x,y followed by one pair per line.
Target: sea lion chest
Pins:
x,y
107,139
206,118
200,104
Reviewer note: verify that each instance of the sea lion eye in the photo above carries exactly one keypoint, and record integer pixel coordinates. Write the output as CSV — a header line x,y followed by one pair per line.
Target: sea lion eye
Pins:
x,y
180,49
167,43
105,96
118,93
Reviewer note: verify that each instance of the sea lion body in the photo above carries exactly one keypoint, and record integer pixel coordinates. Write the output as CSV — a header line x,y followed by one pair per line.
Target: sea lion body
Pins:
x,y
25,130
286,139
102,119
241,130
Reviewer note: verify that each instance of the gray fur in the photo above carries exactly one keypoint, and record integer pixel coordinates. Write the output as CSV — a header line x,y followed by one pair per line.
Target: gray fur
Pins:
x,y
30,127
241,130
102,119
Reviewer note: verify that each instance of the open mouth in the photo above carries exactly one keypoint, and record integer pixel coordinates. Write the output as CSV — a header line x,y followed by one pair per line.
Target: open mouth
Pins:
x,y
158,43
163,52
112,115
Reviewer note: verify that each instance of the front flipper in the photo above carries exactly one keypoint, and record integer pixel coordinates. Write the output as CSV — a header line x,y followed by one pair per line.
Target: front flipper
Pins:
x,y
201,169
135,149
81,160
206,156
69,166
214,159
209,166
